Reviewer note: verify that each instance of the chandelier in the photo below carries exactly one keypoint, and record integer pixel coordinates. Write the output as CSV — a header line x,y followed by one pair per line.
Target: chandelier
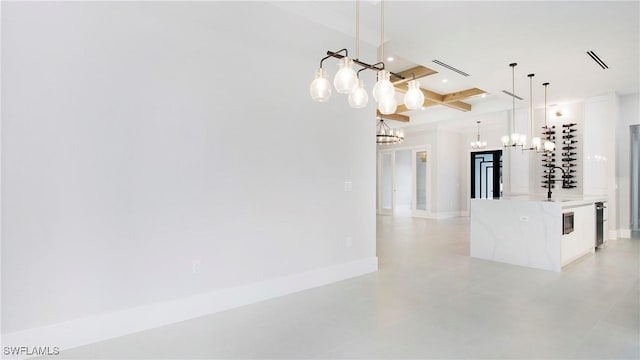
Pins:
x,y
347,81
387,135
520,139
478,144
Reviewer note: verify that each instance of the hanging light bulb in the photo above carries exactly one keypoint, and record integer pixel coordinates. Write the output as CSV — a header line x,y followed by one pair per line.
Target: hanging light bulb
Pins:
x,y
359,97
320,88
387,105
414,98
346,79
549,146
383,86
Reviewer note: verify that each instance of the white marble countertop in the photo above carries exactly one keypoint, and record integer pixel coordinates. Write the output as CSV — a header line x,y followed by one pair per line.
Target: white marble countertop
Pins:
x,y
564,201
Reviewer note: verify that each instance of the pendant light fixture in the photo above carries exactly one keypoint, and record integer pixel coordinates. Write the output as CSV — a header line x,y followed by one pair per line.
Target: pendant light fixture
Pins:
x,y
414,98
478,144
514,139
383,91
386,135
347,80
536,142
549,146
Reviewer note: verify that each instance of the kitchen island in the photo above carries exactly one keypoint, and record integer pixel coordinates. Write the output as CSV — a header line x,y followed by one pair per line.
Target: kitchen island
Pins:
x,y
528,231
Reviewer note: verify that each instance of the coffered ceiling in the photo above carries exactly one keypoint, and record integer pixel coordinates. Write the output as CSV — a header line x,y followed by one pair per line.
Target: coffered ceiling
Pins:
x,y
550,39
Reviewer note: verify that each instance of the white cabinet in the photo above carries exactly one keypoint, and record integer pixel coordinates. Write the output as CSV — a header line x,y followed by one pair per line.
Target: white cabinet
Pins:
x,y
583,238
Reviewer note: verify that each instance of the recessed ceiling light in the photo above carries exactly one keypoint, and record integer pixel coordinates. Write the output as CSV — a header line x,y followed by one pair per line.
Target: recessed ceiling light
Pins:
x,y
390,58
484,95
422,108
445,80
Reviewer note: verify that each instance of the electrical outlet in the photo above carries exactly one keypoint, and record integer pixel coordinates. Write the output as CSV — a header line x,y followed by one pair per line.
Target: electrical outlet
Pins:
x,y
348,242
348,186
195,266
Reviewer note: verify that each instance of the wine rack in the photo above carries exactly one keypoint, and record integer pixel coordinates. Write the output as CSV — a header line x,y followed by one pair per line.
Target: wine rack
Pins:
x,y
569,155
548,158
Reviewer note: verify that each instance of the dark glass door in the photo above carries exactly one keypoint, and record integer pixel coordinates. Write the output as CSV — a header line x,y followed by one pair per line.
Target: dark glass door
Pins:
x,y
486,174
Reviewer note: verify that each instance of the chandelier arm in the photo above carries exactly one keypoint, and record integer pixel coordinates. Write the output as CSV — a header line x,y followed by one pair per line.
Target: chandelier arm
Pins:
x,y
377,66
323,59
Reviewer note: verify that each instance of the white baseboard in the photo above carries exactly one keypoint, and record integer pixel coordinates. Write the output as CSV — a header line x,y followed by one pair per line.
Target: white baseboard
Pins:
x,y
96,328
448,215
613,234
440,215
625,233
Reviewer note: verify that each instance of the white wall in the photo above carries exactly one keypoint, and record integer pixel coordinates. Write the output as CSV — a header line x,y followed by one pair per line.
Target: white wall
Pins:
x,y
629,115
449,181
516,163
404,179
138,137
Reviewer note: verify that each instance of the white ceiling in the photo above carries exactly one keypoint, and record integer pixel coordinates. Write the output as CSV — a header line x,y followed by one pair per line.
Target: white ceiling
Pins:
x,y
481,38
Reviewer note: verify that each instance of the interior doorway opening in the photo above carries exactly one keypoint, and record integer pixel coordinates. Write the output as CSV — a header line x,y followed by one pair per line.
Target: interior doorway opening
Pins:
x,y
403,182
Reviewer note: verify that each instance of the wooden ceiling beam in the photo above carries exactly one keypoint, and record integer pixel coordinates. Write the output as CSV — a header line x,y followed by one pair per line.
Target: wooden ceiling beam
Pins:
x,y
396,117
458,105
418,72
403,108
461,95
437,98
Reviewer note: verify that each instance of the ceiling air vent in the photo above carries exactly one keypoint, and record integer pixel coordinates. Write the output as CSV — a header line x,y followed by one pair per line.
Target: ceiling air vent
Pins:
x,y
450,68
597,59
511,94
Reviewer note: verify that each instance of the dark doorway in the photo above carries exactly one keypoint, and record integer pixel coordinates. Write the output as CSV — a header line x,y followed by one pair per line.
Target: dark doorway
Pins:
x,y
486,174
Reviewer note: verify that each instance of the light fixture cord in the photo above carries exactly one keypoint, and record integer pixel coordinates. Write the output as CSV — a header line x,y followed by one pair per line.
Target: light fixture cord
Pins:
x,y
478,131
531,104
357,29
545,105
513,99
382,30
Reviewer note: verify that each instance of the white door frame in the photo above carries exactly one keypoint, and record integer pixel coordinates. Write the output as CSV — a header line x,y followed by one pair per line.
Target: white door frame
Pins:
x,y
414,150
381,154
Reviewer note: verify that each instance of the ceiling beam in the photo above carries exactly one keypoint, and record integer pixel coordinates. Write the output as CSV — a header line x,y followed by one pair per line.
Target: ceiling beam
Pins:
x,y
458,105
437,98
418,72
396,117
403,108
461,95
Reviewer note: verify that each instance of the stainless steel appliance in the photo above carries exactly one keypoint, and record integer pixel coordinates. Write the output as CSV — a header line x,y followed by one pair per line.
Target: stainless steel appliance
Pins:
x,y
567,222
600,219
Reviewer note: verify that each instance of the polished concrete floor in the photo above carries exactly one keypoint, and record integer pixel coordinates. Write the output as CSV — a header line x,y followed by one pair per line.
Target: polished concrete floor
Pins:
x,y
429,300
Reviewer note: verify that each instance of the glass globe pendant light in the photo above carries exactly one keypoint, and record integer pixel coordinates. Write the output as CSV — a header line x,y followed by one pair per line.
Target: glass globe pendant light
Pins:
x,y
387,105
359,97
383,86
320,88
346,79
414,98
